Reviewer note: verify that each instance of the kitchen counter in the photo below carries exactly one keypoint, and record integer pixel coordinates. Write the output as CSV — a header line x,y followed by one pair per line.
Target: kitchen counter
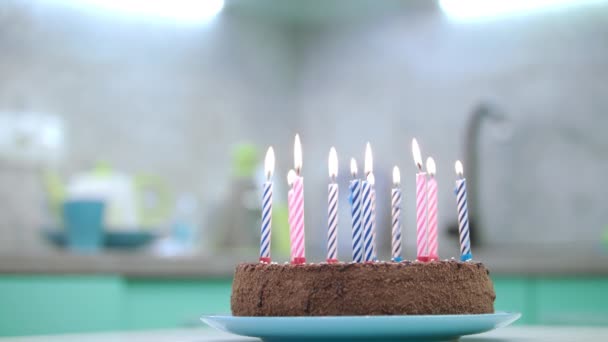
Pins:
x,y
509,334
570,260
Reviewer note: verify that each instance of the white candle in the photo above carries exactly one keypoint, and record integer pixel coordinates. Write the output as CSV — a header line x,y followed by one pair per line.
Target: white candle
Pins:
x,y
266,238
371,180
463,213
332,210
432,210
355,201
396,216
366,202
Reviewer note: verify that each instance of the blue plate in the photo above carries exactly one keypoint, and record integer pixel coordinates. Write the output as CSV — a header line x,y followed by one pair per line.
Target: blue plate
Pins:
x,y
376,328
112,239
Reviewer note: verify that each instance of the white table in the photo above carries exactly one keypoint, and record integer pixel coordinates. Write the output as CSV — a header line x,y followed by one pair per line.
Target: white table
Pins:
x,y
515,334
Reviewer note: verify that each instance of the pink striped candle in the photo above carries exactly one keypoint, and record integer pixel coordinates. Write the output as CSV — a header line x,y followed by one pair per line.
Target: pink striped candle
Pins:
x,y
432,210
296,209
421,206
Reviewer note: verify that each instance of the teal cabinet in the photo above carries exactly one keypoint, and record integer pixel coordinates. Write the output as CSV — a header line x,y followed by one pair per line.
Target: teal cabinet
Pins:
x,y
514,294
157,303
41,304
57,304
572,301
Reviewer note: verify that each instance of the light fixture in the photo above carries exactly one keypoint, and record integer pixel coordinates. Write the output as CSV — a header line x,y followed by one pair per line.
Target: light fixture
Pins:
x,y
470,10
193,11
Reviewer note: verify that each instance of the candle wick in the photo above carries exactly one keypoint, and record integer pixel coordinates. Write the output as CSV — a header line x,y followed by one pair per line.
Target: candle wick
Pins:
x,y
419,166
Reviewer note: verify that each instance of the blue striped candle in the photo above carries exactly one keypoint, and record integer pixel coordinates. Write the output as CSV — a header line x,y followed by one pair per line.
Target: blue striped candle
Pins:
x,y
367,221
332,209
396,216
266,235
372,182
355,205
367,189
463,214
332,223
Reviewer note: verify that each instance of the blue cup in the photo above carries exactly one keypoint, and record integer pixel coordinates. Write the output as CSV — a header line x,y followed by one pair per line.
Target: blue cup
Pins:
x,y
83,220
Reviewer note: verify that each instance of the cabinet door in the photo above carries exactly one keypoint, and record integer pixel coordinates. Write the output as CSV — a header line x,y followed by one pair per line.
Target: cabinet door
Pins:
x,y
158,303
513,295
572,301
59,304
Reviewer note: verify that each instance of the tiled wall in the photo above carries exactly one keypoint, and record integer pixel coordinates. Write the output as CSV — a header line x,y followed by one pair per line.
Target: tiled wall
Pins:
x,y
541,172
149,97
168,99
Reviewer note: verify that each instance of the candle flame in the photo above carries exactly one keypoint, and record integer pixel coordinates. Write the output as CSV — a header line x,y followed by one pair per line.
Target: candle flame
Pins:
x,y
459,169
368,165
416,153
269,163
333,163
297,155
291,177
396,176
371,179
353,167
430,166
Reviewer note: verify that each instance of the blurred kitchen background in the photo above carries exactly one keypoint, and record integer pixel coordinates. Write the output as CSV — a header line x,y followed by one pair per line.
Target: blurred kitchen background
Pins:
x,y
164,110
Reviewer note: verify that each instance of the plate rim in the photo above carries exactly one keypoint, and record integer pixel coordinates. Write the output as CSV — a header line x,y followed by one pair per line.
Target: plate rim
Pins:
x,y
224,322
497,313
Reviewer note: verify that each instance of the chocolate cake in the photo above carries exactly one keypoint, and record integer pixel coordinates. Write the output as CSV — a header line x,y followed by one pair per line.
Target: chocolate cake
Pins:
x,y
381,288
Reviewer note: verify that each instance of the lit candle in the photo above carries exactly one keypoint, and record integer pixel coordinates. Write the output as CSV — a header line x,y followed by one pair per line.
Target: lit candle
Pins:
x,y
421,205
291,178
432,211
296,208
463,214
265,238
355,202
332,211
371,179
366,200
395,214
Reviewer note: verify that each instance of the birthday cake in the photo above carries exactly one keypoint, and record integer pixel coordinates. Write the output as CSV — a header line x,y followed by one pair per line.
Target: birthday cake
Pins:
x,y
380,288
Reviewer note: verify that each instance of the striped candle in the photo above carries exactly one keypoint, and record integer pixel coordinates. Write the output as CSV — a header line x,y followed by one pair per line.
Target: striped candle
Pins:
x,y
265,238
463,214
367,221
369,207
421,217
291,178
297,207
355,202
296,212
421,206
372,182
332,209
396,214
433,244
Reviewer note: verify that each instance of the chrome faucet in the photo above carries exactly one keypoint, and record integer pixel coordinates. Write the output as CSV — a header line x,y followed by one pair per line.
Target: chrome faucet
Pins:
x,y
483,111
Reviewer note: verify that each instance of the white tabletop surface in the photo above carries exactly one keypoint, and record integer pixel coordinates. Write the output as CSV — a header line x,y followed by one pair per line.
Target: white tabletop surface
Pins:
x,y
516,334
